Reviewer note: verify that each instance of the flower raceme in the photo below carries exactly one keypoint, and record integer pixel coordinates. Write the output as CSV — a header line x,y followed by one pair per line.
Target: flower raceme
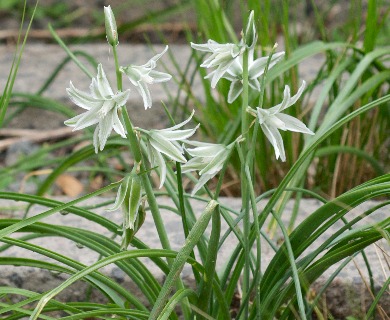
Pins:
x,y
142,76
167,142
102,107
271,120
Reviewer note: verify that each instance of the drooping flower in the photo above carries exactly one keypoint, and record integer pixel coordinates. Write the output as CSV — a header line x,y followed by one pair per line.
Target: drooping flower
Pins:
x,y
167,142
208,159
256,70
228,61
102,107
222,57
272,119
142,76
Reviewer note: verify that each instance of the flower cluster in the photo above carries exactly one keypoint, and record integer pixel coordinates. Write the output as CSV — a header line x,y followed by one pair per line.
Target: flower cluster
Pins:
x,y
228,61
103,108
102,105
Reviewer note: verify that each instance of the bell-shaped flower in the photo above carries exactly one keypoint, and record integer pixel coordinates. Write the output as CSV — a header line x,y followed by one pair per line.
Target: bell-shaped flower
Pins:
x,y
167,142
208,159
142,76
272,119
222,57
256,70
102,107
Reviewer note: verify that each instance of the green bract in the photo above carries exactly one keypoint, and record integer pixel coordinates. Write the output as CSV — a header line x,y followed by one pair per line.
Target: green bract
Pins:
x,y
129,198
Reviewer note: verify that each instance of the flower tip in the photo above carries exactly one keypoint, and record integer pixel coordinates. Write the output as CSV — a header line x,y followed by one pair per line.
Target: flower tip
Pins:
x,y
111,29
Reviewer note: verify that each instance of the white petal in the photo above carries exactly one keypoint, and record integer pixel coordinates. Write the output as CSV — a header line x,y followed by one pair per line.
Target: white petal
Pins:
x,y
118,126
173,135
234,91
276,140
201,47
218,75
257,68
102,82
81,98
284,104
159,55
160,162
294,98
121,98
132,73
72,121
159,76
96,139
216,163
145,94
87,119
207,150
105,128
201,182
195,164
293,124
254,84
181,124
166,147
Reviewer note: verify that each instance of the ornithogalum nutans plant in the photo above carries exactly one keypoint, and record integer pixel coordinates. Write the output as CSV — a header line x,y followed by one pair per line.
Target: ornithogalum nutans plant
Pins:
x,y
173,173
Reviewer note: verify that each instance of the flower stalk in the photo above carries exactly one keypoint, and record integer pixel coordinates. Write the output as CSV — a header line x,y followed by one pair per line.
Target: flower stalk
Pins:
x,y
136,151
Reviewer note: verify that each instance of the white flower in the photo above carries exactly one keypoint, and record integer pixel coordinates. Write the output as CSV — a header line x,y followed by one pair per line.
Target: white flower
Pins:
x,y
166,141
256,69
208,159
142,76
102,105
272,119
222,57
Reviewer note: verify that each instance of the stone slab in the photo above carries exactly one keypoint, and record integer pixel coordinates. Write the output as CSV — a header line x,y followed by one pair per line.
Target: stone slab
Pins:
x,y
346,296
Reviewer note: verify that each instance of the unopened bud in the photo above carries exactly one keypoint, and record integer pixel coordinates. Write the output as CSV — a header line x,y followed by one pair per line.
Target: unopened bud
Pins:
x,y
111,29
250,34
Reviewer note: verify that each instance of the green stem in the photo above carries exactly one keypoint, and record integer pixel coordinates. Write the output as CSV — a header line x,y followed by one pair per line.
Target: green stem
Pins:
x,y
136,151
244,183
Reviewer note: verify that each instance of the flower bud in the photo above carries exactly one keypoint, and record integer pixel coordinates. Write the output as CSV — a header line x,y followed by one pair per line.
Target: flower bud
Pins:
x,y
129,198
128,234
250,35
111,29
